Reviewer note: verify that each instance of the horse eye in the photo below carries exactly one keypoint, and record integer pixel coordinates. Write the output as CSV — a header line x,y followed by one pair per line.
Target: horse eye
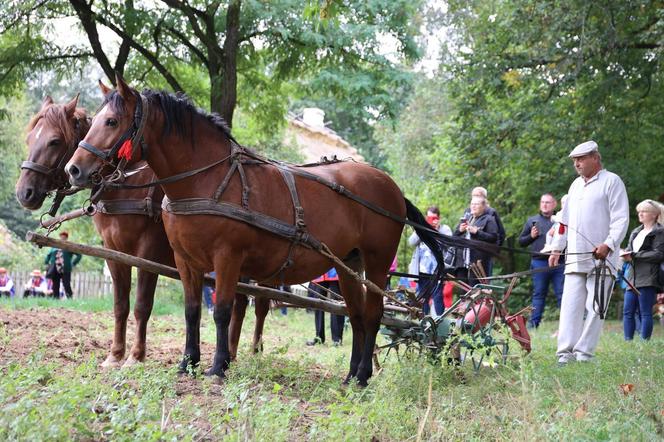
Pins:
x,y
111,122
54,142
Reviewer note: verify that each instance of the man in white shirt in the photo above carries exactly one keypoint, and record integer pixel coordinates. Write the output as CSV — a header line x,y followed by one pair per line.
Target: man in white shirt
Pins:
x,y
597,216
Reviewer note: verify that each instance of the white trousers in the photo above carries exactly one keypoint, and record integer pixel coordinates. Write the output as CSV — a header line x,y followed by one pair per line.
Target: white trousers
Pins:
x,y
578,338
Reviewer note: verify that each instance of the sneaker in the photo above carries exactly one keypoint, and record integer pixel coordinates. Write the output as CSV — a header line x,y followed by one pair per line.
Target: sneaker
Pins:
x,y
211,310
314,341
564,360
336,344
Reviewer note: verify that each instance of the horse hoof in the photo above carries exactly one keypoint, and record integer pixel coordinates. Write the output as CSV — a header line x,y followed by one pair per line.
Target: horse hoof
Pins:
x,y
215,372
111,362
130,362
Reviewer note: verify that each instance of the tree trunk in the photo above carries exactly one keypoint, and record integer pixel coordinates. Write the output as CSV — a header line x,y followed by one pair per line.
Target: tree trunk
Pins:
x,y
224,101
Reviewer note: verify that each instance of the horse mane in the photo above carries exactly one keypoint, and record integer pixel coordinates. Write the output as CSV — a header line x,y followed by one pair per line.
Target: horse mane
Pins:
x,y
55,115
176,108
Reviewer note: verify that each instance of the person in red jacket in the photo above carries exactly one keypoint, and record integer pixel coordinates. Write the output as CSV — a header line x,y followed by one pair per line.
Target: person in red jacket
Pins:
x,y
320,286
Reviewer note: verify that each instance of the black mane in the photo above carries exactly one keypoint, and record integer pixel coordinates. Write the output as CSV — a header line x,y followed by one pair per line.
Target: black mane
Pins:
x,y
176,108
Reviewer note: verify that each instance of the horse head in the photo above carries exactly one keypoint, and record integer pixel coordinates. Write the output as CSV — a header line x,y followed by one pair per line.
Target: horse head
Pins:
x,y
114,139
53,134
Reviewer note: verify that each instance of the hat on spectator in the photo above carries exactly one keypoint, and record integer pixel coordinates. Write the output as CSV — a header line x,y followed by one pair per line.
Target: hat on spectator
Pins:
x,y
583,149
3,270
36,272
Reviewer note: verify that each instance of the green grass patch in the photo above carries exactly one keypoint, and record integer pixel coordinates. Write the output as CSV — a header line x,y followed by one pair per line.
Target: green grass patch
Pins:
x,y
294,392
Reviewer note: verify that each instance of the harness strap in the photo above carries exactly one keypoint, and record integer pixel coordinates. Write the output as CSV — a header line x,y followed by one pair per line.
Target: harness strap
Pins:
x,y
144,206
226,180
300,226
208,206
245,186
31,165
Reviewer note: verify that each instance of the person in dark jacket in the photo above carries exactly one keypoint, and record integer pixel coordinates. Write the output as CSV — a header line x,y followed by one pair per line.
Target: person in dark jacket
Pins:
x,y
481,226
60,264
645,253
533,235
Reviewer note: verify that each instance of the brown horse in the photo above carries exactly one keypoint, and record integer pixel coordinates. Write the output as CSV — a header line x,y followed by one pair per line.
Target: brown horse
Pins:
x,y
122,217
197,160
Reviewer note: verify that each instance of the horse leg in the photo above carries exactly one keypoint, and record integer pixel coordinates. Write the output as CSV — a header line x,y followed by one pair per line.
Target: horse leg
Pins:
x,y
121,275
351,290
192,282
373,312
227,270
262,308
235,327
147,282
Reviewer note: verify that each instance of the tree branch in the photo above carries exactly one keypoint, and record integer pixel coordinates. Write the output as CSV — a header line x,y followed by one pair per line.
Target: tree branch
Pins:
x,y
86,16
185,41
144,52
191,14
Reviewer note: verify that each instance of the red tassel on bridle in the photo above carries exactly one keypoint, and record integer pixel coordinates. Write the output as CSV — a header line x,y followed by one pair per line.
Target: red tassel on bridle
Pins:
x,y
126,150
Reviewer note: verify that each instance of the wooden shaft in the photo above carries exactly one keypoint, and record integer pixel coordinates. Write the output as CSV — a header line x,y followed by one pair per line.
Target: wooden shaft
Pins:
x,y
160,269
67,216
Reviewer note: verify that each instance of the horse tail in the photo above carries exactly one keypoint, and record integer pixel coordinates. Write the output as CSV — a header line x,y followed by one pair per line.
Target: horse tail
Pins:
x,y
431,238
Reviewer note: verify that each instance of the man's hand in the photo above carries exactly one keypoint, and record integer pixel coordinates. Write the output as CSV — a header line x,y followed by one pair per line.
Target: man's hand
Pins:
x,y
601,251
463,227
554,258
473,229
534,232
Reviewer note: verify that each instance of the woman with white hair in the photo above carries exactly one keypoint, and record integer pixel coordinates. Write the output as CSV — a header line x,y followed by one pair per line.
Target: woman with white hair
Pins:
x,y
645,253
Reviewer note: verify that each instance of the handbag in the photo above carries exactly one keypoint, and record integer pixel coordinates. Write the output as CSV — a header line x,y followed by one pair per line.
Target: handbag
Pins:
x,y
660,274
51,272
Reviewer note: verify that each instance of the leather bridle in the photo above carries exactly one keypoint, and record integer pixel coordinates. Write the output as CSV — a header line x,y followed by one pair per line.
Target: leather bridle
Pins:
x,y
56,174
133,133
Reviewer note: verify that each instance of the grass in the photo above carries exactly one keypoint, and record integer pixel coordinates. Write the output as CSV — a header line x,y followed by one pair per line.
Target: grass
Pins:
x,y
294,392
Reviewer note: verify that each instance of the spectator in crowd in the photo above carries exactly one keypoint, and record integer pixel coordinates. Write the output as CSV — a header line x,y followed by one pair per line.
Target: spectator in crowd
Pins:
x,y
320,287
534,235
423,261
6,284
36,286
207,295
644,254
481,226
482,192
60,264
597,216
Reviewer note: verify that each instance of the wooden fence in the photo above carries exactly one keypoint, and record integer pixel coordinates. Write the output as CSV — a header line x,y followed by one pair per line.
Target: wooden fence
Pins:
x,y
83,284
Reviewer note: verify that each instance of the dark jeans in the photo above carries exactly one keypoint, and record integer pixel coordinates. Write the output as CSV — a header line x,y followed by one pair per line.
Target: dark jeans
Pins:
x,y
336,321
437,298
643,303
66,281
541,288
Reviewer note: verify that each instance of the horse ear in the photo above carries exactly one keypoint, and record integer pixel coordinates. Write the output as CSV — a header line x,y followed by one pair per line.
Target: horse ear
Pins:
x,y
70,107
47,101
123,88
105,90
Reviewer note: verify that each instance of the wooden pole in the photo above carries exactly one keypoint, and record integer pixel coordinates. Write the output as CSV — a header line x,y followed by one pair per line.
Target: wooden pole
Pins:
x,y
160,269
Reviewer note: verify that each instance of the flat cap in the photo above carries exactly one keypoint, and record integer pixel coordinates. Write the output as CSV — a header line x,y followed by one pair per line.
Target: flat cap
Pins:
x,y
583,149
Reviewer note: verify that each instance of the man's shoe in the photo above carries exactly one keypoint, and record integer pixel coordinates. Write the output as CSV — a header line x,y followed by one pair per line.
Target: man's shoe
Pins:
x,y
314,341
336,343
